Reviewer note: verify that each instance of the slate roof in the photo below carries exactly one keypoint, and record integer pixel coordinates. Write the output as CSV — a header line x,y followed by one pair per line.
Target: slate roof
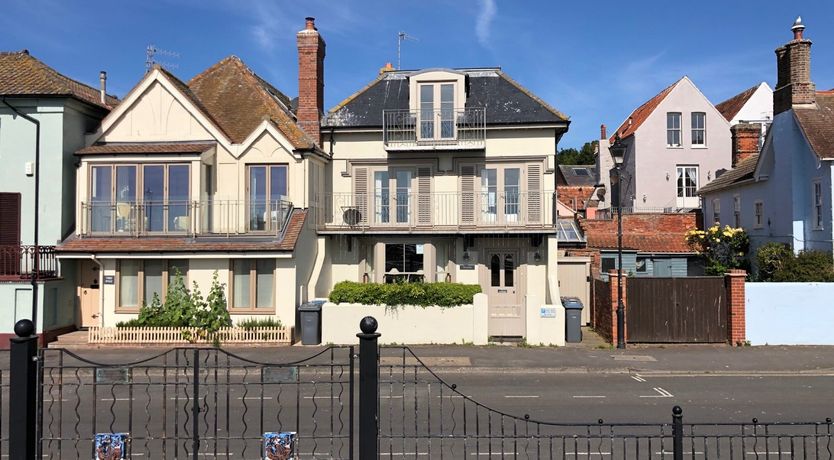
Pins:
x,y
23,75
640,114
573,178
733,105
146,148
239,100
506,102
287,242
817,123
743,171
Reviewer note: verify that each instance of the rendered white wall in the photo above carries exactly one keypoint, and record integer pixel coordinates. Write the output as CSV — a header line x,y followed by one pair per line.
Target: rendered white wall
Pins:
x,y
789,313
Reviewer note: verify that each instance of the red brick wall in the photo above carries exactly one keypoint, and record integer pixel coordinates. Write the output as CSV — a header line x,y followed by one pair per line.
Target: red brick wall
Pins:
x,y
310,80
574,196
613,285
745,141
645,224
736,323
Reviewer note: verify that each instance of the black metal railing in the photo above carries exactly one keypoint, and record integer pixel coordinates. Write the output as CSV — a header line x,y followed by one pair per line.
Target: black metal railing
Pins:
x,y
194,403
24,261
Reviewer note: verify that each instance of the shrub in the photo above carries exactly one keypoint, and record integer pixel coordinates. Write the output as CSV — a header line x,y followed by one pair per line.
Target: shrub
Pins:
x,y
722,249
396,294
252,323
771,258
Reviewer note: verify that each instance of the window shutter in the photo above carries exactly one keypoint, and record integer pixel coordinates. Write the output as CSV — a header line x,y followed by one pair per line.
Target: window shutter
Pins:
x,y
467,194
424,210
534,193
360,194
9,219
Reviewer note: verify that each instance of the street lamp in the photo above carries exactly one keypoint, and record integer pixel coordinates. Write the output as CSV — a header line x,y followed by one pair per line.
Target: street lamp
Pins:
x,y
617,150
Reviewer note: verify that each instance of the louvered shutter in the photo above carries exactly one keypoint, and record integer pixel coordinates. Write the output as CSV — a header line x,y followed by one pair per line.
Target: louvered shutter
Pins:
x,y
9,233
534,193
467,194
424,208
360,194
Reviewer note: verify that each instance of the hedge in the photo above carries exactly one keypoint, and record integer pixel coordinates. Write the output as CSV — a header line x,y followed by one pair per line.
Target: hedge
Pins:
x,y
396,294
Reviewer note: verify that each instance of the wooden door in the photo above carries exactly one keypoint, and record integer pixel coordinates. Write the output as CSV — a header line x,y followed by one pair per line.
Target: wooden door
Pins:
x,y
89,294
574,276
501,281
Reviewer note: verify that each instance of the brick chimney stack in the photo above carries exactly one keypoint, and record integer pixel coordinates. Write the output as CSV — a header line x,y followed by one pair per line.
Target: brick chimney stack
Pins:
x,y
310,80
745,141
603,132
793,64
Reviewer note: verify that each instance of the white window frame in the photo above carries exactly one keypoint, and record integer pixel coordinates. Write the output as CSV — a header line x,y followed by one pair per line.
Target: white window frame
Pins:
x,y
737,211
702,129
681,191
670,130
716,211
817,201
758,214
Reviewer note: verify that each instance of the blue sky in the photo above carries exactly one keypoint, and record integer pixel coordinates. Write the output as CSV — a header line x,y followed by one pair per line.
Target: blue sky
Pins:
x,y
593,60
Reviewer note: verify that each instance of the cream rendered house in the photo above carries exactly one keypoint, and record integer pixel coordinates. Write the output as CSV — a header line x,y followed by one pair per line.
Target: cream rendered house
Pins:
x,y
210,176
443,175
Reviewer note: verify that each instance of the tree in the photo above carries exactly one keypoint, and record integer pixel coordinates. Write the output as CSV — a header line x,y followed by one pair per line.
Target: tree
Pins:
x,y
584,156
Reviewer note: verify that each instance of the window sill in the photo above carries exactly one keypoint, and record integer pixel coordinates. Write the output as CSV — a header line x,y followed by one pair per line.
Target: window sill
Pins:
x,y
128,311
700,147
676,147
260,311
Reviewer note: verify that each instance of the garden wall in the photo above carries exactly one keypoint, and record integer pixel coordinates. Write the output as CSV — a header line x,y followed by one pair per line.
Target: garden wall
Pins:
x,y
790,313
409,324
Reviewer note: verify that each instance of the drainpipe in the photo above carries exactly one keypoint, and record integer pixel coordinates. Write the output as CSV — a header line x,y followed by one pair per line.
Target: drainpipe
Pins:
x,y
101,287
36,268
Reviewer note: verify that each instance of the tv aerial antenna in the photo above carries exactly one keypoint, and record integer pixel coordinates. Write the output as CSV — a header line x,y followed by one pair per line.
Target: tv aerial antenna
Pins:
x,y
401,37
151,53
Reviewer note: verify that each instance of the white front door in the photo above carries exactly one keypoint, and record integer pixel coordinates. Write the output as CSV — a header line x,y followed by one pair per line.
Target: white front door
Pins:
x,y
502,283
687,186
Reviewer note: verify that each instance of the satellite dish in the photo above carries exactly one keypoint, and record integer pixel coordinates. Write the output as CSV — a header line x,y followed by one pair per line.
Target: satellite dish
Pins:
x,y
352,216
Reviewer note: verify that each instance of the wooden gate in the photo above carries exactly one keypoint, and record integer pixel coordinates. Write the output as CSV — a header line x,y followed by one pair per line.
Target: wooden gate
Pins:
x,y
684,310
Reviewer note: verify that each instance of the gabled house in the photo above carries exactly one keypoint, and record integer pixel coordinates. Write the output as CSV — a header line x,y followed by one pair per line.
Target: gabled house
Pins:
x,y
676,143
213,175
444,175
751,106
784,193
65,110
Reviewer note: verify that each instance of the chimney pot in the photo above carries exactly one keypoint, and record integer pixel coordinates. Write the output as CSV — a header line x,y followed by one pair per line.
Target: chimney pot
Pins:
x,y
798,28
603,132
793,63
311,23
102,78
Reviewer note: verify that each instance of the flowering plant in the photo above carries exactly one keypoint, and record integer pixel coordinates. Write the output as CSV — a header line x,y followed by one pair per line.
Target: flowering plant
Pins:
x,y
722,249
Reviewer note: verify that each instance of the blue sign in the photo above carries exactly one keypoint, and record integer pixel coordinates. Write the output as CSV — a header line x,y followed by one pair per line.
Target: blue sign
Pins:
x,y
548,312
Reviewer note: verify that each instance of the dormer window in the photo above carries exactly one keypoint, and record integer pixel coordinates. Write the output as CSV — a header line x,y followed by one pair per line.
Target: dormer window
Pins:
x,y
437,111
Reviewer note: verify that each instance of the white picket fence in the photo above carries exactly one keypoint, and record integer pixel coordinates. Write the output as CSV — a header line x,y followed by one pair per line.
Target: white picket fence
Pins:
x,y
175,336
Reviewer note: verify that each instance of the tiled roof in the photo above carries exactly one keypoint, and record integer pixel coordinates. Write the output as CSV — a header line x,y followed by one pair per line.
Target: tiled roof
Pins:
x,y
744,170
185,147
640,114
238,101
288,241
23,75
817,124
731,106
505,100
657,243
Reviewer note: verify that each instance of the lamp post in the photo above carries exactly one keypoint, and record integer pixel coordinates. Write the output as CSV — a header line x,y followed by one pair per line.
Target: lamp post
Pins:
x,y
617,150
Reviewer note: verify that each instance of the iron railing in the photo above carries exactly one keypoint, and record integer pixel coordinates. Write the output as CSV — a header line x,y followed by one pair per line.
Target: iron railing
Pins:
x,y
437,211
175,218
434,128
24,261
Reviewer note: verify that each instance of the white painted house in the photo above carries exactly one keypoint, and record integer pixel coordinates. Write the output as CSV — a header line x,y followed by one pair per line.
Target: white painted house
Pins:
x,y
676,142
784,194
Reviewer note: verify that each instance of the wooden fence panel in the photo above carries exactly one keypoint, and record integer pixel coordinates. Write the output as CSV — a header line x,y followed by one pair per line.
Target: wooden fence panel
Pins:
x,y
677,310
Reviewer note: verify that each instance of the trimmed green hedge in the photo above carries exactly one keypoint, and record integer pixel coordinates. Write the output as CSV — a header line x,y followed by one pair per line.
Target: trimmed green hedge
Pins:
x,y
396,294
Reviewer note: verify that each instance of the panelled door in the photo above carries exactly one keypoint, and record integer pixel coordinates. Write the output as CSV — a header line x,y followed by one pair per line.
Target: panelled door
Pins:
x,y
88,293
501,281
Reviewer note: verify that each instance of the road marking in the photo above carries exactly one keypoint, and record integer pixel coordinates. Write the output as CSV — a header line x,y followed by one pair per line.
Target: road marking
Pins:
x,y
116,399
638,378
320,397
588,396
520,396
661,393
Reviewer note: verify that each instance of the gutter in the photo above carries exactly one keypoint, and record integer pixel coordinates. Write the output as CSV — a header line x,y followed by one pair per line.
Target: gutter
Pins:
x,y
36,270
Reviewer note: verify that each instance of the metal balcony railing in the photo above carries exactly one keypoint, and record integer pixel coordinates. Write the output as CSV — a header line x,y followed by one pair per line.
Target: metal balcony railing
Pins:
x,y
23,261
442,211
434,129
185,218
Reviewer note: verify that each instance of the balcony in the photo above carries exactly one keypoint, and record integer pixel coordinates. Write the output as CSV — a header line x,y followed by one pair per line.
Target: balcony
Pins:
x,y
474,212
19,262
439,129
224,218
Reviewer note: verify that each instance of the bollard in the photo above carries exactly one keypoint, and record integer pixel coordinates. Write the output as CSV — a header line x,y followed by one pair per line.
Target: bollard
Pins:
x,y
23,391
677,433
368,389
